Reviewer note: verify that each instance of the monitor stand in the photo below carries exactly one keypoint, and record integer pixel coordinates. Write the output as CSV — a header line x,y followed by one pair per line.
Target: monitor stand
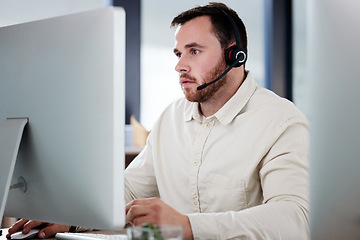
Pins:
x,y
11,131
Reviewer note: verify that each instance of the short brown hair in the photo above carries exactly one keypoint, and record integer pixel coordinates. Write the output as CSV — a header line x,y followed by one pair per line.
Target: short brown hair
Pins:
x,y
221,24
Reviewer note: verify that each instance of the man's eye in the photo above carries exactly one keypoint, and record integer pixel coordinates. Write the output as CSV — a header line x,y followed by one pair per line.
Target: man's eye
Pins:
x,y
178,55
195,51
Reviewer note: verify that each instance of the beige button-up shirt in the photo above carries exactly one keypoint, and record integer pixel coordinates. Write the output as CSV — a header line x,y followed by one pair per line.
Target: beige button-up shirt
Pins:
x,y
242,173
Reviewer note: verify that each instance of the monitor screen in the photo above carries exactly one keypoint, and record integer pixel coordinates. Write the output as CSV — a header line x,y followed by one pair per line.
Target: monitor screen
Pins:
x,y
66,75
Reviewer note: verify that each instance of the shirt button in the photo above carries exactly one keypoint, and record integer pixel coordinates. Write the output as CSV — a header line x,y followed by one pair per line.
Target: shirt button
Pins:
x,y
195,202
196,163
207,125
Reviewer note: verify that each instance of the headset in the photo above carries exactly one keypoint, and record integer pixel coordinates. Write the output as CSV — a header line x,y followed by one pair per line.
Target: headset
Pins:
x,y
235,56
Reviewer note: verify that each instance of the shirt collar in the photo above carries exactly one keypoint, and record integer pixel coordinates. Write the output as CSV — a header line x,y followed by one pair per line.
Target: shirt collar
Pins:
x,y
231,108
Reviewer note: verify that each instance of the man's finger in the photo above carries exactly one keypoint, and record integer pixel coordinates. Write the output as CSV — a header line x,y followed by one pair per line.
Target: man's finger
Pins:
x,y
137,211
144,201
18,226
53,229
30,225
138,221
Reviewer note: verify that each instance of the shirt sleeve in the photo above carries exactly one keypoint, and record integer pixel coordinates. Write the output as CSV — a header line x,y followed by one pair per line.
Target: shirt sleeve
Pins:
x,y
140,181
284,178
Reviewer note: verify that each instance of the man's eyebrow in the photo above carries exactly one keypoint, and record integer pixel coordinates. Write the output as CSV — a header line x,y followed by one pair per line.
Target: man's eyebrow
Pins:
x,y
194,44
190,45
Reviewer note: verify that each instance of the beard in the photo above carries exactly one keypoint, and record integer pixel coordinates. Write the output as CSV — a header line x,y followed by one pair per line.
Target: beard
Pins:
x,y
203,95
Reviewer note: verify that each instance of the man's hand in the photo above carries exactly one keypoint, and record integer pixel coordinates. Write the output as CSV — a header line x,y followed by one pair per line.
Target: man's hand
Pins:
x,y
154,211
47,229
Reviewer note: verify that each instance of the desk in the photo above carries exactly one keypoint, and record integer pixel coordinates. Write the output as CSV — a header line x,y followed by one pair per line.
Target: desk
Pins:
x,y
131,153
5,231
3,234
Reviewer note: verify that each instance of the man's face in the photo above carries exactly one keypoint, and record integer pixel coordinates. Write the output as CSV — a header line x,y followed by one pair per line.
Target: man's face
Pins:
x,y
200,59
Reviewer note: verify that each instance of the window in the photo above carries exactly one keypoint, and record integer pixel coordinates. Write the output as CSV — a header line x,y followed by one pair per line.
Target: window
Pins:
x,y
300,85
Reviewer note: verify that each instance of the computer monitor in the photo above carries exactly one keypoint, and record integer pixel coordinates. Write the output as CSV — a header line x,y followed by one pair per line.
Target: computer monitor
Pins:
x,y
66,75
333,41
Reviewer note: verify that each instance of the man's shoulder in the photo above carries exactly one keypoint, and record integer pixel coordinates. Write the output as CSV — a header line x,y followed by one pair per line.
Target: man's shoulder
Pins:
x,y
271,102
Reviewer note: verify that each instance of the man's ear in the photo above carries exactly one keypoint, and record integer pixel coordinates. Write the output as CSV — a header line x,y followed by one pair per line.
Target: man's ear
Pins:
x,y
230,45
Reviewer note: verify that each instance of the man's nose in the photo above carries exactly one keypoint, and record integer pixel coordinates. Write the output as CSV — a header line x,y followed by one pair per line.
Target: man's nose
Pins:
x,y
182,65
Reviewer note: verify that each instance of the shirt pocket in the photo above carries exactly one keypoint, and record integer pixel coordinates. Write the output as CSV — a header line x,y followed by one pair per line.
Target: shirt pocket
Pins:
x,y
218,193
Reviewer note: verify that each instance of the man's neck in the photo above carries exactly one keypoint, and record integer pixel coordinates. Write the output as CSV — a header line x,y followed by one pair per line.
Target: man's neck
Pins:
x,y
212,105
209,108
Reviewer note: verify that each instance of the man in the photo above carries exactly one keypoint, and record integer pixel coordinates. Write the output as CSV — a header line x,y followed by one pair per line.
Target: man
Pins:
x,y
227,161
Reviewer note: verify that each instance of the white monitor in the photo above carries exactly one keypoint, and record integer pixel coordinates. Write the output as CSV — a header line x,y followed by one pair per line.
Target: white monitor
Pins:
x,y
334,70
66,75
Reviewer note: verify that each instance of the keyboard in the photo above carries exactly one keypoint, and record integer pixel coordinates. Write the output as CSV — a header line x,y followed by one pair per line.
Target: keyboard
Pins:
x,y
89,236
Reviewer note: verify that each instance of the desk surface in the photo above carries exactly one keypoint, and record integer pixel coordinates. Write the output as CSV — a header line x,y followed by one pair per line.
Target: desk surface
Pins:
x,y
5,231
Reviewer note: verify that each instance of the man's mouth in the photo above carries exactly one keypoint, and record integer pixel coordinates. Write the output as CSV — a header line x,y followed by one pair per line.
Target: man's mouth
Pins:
x,y
186,80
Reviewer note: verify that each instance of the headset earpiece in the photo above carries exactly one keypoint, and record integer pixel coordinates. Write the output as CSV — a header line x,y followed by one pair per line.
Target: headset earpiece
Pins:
x,y
234,54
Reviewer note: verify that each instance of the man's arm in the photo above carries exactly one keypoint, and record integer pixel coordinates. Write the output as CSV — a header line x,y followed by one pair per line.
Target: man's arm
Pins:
x,y
140,179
